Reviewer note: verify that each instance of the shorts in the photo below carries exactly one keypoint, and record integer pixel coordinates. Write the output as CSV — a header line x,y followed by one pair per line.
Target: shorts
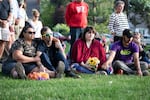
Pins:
x,y
4,34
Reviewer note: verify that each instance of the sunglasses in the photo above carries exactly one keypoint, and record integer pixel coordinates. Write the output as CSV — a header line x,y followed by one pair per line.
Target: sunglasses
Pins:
x,y
31,32
37,16
47,34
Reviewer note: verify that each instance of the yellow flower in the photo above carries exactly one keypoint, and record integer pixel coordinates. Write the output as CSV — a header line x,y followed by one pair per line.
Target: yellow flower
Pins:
x,y
93,62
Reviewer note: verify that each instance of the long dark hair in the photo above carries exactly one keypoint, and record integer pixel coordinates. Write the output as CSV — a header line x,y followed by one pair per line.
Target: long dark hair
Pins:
x,y
87,29
27,25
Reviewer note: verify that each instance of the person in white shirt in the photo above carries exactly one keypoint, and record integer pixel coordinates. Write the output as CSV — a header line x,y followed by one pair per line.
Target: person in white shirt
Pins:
x,y
36,23
118,20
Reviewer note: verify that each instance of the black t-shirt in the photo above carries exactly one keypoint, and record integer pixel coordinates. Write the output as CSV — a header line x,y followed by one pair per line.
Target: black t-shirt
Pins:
x,y
50,51
4,9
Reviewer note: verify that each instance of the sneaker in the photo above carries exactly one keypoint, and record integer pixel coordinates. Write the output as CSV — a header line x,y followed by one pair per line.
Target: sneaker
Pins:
x,y
120,72
101,72
71,74
60,69
20,70
146,73
14,75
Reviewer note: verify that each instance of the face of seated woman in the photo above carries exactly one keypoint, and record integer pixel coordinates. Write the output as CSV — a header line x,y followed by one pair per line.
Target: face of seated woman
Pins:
x,y
29,34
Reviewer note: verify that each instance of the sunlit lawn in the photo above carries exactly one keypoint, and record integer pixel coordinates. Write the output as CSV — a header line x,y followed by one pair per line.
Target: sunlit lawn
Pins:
x,y
89,87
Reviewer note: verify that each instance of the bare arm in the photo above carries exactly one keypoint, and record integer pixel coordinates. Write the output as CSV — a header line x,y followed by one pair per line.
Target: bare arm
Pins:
x,y
137,63
18,55
109,60
59,45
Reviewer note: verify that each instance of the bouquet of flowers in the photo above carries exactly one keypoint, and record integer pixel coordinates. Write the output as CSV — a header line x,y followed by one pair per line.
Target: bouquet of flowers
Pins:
x,y
93,62
38,76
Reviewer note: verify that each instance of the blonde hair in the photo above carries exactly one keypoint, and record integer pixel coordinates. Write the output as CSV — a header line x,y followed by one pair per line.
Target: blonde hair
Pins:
x,y
35,12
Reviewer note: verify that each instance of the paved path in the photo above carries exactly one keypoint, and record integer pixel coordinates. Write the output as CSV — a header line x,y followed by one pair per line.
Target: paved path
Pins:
x,y
30,5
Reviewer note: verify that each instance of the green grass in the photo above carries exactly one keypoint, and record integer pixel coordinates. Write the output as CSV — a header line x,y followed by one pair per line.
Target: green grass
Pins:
x,y
89,87
147,47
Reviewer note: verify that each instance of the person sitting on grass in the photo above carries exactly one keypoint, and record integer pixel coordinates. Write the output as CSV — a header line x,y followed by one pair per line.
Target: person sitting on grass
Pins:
x,y
85,48
124,56
23,59
142,53
51,52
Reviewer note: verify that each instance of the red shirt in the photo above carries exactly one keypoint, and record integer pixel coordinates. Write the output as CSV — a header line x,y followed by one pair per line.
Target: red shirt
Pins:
x,y
80,51
76,14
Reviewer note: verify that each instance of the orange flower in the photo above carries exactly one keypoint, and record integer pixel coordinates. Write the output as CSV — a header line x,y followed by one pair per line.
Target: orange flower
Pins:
x,y
38,76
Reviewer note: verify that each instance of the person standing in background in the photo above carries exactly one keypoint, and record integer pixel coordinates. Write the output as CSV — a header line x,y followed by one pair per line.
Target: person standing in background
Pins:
x,y
76,18
36,23
118,20
5,20
21,18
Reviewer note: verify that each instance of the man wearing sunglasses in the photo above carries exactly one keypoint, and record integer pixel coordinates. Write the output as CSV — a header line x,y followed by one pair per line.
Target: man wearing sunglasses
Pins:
x,y
52,54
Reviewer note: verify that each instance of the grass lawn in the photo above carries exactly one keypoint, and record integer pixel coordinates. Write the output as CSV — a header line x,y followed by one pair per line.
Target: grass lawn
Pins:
x,y
89,87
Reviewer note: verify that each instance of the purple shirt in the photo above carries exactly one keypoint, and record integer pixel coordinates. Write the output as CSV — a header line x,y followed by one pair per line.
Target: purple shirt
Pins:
x,y
124,54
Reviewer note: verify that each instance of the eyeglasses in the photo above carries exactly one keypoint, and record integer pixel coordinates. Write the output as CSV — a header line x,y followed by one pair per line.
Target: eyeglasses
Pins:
x,y
31,32
47,34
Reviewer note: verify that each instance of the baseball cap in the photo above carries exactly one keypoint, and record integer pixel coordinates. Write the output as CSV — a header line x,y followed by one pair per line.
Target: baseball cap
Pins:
x,y
128,33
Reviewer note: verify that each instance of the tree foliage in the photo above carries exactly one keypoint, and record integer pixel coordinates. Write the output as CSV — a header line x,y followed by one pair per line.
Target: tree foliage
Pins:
x,y
99,13
52,12
142,8
47,11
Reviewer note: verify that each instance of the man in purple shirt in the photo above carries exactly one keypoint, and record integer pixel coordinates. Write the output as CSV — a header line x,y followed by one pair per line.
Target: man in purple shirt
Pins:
x,y
124,56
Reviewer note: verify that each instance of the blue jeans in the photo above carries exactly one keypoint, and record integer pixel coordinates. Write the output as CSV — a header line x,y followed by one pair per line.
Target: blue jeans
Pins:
x,y
82,69
146,59
52,64
9,65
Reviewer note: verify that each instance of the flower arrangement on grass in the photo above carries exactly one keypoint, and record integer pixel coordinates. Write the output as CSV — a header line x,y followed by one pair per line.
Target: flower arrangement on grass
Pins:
x,y
93,62
38,76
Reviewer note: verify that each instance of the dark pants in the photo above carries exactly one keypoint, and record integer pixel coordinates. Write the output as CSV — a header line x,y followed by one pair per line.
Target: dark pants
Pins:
x,y
144,57
75,34
51,63
128,68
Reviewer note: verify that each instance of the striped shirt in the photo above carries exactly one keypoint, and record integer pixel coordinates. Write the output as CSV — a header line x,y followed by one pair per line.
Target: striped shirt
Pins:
x,y
117,23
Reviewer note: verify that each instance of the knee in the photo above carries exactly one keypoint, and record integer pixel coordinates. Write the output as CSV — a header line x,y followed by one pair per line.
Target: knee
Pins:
x,y
117,62
144,66
44,56
61,63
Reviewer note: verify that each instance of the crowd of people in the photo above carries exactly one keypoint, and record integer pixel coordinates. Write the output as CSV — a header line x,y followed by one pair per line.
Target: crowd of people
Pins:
x,y
32,47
